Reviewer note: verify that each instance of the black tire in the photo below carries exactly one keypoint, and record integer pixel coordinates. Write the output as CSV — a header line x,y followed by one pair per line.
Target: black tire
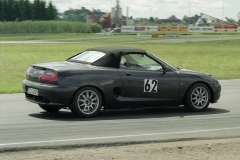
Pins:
x,y
51,109
197,98
86,102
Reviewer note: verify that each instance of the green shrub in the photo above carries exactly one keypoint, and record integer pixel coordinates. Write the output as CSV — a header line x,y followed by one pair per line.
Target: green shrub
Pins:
x,y
48,27
96,28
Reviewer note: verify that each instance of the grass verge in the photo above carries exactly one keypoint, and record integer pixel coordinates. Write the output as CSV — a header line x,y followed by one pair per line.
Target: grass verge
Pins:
x,y
121,36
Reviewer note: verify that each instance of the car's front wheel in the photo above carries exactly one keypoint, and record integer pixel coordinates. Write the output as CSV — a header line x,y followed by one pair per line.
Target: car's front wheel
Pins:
x,y
197,98
87,102
51,109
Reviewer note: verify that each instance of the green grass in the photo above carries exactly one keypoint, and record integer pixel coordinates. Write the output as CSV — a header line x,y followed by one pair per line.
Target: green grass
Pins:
x,y
220,59
128,37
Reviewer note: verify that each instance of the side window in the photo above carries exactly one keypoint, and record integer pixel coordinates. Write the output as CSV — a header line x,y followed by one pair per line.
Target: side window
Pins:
x,y
139,62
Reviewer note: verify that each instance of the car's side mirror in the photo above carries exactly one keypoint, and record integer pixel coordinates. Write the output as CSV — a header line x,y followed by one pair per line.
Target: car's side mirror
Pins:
x,y
165,68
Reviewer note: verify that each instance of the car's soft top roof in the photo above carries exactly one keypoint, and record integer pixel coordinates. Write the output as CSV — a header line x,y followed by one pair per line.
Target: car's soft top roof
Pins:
x,y
118,50
113,55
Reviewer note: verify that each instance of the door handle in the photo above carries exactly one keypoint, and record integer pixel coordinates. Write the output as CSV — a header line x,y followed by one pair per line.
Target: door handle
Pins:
x,y
128,74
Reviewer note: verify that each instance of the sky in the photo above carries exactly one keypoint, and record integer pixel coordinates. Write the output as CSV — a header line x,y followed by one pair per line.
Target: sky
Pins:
x,y
158,8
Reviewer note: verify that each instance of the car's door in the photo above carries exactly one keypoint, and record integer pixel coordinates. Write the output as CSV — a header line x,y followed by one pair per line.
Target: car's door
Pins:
x,y
144,79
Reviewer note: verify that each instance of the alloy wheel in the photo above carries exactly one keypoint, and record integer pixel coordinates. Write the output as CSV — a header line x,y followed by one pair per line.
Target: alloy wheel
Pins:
x,y
88,102
199,97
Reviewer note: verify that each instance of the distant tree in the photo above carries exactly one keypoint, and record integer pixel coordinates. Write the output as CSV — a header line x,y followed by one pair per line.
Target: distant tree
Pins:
x,y
28,10
22,15
36,11
77,15
16,15
43,10
9,10
191,20
71,17
151,19
82,17
51,12
21,10
97,11
173,17
2,11
1,4
67,12
157,20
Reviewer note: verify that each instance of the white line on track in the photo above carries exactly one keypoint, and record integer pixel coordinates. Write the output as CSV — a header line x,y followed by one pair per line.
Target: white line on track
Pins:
x,y
123,136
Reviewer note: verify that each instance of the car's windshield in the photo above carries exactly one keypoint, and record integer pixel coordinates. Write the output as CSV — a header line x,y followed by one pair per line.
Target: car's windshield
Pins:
x,y
173,67
88,56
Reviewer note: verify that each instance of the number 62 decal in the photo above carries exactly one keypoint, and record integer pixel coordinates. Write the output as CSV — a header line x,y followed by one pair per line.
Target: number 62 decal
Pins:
x,y
150,85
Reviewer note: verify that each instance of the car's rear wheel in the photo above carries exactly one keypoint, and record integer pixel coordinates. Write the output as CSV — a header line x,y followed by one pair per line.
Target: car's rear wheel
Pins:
x,y
87,102
197,98
51,109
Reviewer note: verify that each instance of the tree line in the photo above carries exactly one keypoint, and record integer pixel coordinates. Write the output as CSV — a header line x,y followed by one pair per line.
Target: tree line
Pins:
x,y
22,10
74,15
185,20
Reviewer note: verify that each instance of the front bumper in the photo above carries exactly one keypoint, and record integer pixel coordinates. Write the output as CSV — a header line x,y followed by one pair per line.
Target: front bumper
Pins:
x,y
216,93
49,94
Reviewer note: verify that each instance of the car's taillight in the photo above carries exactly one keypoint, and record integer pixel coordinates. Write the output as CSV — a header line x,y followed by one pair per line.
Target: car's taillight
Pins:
x,y
49,76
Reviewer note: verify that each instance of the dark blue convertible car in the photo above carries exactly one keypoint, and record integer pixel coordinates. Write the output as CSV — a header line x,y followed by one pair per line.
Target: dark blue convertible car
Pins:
x,y
116,77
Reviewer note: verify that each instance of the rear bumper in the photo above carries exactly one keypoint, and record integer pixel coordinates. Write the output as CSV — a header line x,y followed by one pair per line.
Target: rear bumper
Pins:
x,y
49,94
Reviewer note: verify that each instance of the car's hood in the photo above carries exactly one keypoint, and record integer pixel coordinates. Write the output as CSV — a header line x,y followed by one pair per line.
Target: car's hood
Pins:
x,y
191,72
62,65
187,71
205,77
